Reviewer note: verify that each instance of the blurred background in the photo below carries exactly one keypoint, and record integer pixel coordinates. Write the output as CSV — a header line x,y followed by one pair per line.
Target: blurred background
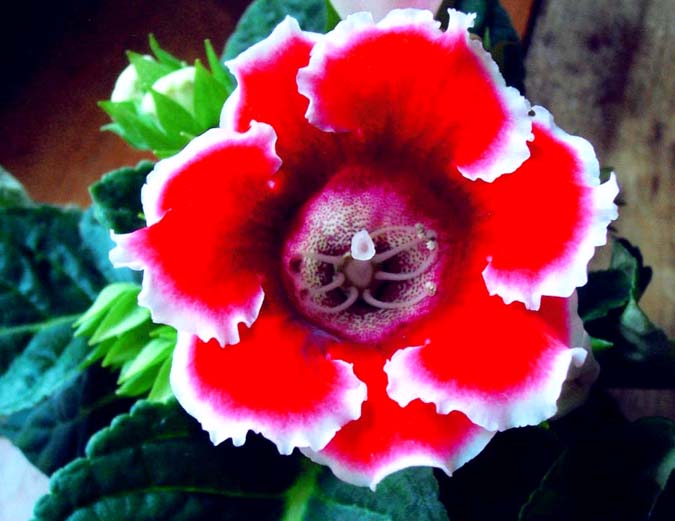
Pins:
x,y
605,69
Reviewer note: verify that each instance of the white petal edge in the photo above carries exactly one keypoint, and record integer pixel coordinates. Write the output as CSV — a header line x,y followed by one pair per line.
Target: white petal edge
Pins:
x,y
417,457
168,168
505,154
236,425
263,51
408,382
570,271
180,311
167,307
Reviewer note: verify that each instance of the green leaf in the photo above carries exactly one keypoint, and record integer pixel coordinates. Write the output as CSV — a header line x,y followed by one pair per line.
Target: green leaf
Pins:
x,y
495,484
117,197
50,272
157,463
50,357
641,354
12,192
617,477
210,95
56,430
262,16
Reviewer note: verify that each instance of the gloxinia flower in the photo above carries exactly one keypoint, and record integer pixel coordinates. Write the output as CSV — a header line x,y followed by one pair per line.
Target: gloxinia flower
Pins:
x,y
399,234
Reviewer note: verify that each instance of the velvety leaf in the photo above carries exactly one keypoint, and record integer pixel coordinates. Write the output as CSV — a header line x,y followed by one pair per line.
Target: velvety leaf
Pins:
x,y
262,16
57,429
12,193
51,270
614,478
117,198
641,354
495,484
157,463
405,495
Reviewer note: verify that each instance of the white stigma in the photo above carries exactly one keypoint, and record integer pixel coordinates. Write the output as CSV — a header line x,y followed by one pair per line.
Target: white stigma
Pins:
x,y
363,247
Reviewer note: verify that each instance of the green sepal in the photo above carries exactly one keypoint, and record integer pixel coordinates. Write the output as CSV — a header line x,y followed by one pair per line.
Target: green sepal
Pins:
x,y
89,321
174,119
139,130
218,70
148,69
164,57
209,97
332,17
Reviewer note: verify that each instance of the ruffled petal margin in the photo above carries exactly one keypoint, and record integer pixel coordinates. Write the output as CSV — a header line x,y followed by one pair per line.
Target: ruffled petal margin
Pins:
x,y
547,218
388,437
267,91
200,248
386,82
502,366
276,382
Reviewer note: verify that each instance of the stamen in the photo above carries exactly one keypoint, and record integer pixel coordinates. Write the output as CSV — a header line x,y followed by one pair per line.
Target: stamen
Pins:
x,y
407,275
338,281
369,299
351,298
428,236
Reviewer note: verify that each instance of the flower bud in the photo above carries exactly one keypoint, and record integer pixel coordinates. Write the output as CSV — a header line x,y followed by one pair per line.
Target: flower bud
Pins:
x,y
178,85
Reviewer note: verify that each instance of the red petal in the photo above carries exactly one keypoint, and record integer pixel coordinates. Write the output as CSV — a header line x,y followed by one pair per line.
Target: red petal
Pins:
x,y
546,219
387,437
407,85
202,253
267,91
501,365
277,382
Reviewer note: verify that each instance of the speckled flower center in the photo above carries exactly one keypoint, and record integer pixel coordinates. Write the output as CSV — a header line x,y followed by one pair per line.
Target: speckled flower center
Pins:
x,y
360,264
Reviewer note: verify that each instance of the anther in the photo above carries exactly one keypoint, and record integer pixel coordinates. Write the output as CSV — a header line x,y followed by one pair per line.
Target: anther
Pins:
x,y
430,288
